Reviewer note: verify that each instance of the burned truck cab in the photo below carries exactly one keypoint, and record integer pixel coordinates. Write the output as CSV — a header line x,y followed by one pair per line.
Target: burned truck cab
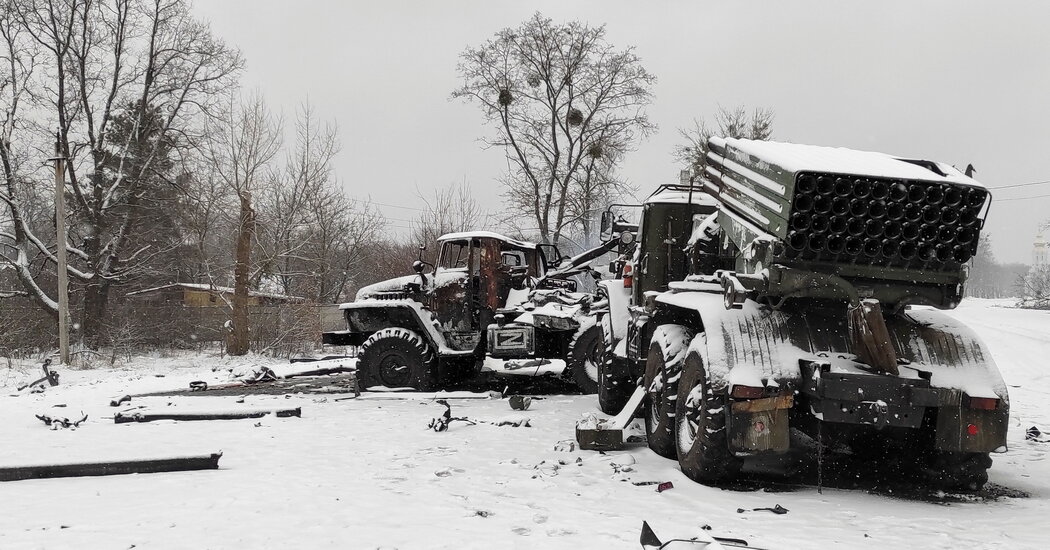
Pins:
x,y
488,304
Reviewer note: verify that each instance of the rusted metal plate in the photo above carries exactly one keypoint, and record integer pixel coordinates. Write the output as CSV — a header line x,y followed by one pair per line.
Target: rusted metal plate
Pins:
x,y
599,440
765,404
759,431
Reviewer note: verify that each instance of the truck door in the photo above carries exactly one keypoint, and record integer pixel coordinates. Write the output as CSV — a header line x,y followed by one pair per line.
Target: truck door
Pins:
x,y
456,292
664,233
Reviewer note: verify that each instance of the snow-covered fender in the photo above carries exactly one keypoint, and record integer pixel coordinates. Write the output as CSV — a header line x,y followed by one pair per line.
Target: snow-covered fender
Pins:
x,y
619,299
947,366
365,317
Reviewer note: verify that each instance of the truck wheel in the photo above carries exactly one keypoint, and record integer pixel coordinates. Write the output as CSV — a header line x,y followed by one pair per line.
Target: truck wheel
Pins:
x,y
396,358
700,426
960,471
662,369
585,354
613,391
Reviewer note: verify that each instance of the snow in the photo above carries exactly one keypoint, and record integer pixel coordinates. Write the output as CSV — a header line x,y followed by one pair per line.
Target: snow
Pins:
x,y
442,277
367,473
674,196
793,157
516,297
551,309
619,301
523,367
484,235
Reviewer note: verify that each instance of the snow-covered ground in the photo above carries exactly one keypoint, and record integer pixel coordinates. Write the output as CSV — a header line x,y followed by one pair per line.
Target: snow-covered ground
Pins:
x,y
367,473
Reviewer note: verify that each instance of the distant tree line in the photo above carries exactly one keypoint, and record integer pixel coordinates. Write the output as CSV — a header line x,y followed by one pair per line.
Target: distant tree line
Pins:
x,y
990,279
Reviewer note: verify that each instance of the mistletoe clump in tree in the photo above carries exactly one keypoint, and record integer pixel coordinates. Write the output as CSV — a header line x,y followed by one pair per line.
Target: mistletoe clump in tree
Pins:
x,y
566,105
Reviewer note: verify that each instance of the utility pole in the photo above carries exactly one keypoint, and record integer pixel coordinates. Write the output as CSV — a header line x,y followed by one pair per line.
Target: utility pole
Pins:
x,y
60,252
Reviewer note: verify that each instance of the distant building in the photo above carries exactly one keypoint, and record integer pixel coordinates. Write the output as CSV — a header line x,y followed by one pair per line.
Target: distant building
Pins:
x,y
1040,252
201,295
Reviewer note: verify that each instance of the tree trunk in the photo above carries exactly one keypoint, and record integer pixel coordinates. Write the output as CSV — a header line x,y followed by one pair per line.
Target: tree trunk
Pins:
x,y
94,304
239,338
96,298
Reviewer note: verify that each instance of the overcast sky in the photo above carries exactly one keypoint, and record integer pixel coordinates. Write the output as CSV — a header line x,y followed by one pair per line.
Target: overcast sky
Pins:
x,y
958,82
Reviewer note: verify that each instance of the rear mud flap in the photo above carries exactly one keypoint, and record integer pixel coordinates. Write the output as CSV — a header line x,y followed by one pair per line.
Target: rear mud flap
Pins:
x,y
759,425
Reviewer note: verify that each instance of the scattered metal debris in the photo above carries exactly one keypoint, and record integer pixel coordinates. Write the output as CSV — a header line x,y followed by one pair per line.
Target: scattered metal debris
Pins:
x,y
146,416
648,539
57,422
37,386
441,423
777,509
565,446
175,464
520,402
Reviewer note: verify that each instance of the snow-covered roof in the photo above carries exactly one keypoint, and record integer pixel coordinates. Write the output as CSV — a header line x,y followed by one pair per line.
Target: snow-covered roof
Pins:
x,y
794,157
213,288
673,196
485,235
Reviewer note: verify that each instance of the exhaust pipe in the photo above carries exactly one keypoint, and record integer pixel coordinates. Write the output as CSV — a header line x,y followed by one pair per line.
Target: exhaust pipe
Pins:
x,y
934,195
861,189
843,187
879,190
803,203
916,193
825,185
877,209
858,207
806,184
898,192
874,228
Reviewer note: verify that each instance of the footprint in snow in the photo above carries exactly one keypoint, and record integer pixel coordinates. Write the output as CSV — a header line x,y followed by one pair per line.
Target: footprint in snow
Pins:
x,y
523,531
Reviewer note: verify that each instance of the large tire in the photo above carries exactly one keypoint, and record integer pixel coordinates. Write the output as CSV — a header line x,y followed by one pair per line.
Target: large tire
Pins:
x,y
959,471
397,357
662,369
585,354
614,389
700,425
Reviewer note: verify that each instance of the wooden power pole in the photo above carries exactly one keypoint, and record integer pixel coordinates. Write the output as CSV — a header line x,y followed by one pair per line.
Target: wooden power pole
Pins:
x,y
60,252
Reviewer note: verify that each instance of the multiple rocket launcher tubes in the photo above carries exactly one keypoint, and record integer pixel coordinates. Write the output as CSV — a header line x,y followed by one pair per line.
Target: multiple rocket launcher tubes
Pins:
x,y
879,221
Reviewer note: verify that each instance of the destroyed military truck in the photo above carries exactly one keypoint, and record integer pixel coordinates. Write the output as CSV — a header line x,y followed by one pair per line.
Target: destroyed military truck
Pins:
x,y
491,304
808,299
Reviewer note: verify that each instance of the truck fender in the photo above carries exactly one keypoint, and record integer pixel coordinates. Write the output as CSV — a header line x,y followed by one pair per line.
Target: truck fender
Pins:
x,y
404,314
619,299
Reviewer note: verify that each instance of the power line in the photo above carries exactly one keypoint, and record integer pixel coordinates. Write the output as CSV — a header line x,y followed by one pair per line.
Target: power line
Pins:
x,y
390,205
1020,185
1021,198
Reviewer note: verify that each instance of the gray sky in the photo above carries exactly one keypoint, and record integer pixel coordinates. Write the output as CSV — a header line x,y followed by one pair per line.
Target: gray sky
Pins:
x,y
957,82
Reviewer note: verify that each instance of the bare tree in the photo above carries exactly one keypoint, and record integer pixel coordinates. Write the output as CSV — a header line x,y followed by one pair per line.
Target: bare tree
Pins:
x,y
124,82
561,99
205,203
448,209
285,203
18,59
241,145
1033,288
735,123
